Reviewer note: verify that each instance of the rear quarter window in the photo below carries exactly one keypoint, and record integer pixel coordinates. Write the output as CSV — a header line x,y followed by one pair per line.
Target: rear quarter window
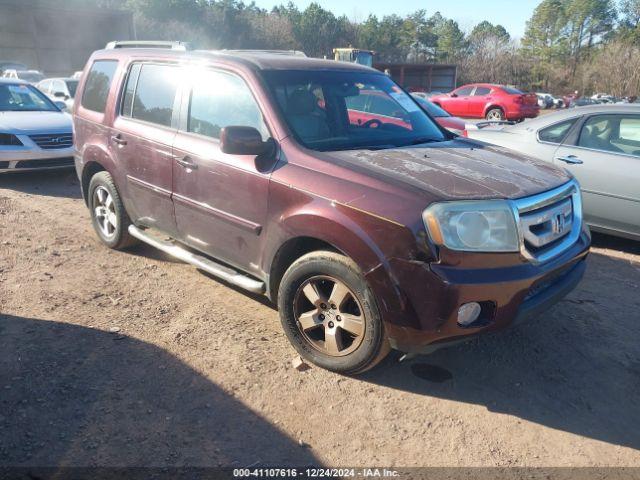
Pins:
x,y
556,133
96,88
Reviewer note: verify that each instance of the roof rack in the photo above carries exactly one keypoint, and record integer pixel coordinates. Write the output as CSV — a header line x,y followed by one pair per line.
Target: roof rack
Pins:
x,y
147,44
296,53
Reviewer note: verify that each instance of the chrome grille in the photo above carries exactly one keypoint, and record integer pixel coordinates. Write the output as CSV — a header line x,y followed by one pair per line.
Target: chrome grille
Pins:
x,y
549,222
49,141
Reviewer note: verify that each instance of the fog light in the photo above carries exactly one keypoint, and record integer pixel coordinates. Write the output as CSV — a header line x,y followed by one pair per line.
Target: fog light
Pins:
x,y
468,313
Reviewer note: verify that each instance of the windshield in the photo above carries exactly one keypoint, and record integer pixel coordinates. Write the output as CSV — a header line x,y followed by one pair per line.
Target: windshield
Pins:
x,y
72,85
434,110
24,98
30,76
330,110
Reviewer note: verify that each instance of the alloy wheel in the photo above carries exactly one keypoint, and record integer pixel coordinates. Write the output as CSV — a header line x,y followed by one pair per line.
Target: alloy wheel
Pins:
x,y
104,211
329,316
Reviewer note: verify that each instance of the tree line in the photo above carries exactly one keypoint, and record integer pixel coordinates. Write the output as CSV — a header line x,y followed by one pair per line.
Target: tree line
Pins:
x,y
584,45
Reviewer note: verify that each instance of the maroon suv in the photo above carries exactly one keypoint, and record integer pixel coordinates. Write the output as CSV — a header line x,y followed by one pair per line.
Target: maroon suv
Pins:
x,y
367,235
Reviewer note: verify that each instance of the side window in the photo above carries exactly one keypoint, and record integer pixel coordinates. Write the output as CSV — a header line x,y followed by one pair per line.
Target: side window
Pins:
x,y
58,86
45,87
130,90
96,89
385,106
481,92
628,137
604,132
357,102
220,100
155,94
630,130
463,92
556,133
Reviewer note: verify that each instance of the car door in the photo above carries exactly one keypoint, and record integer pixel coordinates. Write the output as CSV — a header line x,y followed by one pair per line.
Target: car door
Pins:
x,y
220,199
142,137
458,103
605,158
477,101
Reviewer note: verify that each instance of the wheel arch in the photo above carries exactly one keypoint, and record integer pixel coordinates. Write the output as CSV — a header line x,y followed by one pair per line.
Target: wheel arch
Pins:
x,y
335,232
94,159
491,106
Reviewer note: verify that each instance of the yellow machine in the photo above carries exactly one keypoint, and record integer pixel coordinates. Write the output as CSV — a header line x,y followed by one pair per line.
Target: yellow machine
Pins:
x,y
354,55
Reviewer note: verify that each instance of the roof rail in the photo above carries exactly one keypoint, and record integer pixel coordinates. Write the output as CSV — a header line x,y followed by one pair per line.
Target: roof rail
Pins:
x,y
296,53
147,44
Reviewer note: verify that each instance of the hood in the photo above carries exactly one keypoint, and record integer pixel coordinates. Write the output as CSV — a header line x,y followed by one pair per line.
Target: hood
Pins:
x,y
20,123
458,169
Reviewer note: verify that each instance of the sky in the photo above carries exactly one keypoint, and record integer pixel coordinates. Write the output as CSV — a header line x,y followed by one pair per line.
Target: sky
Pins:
x,y
512,14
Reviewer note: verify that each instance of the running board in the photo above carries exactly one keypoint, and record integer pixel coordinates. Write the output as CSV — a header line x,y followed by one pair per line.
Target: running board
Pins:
x,y
225,273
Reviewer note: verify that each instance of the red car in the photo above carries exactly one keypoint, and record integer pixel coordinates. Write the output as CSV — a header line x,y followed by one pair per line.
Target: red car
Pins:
x,y
493,102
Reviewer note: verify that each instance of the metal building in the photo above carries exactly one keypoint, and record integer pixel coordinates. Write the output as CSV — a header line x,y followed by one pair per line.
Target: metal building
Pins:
x,y
56,37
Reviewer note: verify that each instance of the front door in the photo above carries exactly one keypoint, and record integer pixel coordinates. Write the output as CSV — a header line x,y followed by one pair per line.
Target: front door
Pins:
x,y
459,105
142,136
220,200
606,161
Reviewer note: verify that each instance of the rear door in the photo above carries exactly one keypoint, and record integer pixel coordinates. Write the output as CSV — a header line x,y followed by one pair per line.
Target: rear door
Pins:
x,y
605,158
220,199
142,137
477,102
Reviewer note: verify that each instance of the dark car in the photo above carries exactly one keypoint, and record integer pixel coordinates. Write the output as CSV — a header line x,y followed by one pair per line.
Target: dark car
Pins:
x,y
493,102
248,165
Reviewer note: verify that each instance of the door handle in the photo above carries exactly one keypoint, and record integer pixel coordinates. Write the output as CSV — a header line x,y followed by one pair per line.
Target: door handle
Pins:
x,y
186,162
118,139
570,159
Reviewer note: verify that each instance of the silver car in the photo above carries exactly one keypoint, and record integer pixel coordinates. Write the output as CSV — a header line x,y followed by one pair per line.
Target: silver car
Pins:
x,y
600,146
60,89
34,132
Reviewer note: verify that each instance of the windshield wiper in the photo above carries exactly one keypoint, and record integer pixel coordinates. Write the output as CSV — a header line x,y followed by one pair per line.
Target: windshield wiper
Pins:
x,y
419,141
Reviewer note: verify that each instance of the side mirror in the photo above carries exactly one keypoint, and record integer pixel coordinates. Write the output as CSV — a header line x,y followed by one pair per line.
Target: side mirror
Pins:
x,y
60,105
243,141
453,95
60,95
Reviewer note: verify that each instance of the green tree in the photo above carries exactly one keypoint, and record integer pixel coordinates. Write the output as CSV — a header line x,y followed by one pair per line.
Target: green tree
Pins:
x,y
545,40
451,42
487,29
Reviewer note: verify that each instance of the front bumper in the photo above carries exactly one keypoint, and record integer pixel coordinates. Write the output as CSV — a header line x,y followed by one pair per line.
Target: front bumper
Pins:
x,y
510,293
31,157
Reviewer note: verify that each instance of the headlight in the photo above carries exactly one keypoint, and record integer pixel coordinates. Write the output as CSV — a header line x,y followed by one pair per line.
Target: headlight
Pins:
x,y
477,226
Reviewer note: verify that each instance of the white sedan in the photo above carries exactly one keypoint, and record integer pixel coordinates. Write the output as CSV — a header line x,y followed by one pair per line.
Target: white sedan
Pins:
x,y
35,133
599,145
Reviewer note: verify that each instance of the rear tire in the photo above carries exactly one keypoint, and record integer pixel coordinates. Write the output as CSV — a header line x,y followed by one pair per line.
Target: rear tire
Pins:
x,y
109,218
329,314
495,115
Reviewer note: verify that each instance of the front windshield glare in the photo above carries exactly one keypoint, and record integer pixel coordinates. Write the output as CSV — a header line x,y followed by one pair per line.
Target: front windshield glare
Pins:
x,y
331,110
23,98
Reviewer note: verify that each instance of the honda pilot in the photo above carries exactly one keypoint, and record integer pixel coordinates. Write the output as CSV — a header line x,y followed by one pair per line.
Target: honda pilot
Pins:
x,y
389,233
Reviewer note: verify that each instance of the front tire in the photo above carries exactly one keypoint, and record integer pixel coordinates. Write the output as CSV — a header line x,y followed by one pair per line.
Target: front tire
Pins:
x,y
329,314
495,115
109,218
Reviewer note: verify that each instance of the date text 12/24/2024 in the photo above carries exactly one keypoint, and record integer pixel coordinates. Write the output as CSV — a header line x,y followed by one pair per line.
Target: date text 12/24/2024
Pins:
x,y
314,473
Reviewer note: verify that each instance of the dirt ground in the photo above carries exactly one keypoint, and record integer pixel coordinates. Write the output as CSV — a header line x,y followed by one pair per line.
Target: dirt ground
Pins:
x,y
130,358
